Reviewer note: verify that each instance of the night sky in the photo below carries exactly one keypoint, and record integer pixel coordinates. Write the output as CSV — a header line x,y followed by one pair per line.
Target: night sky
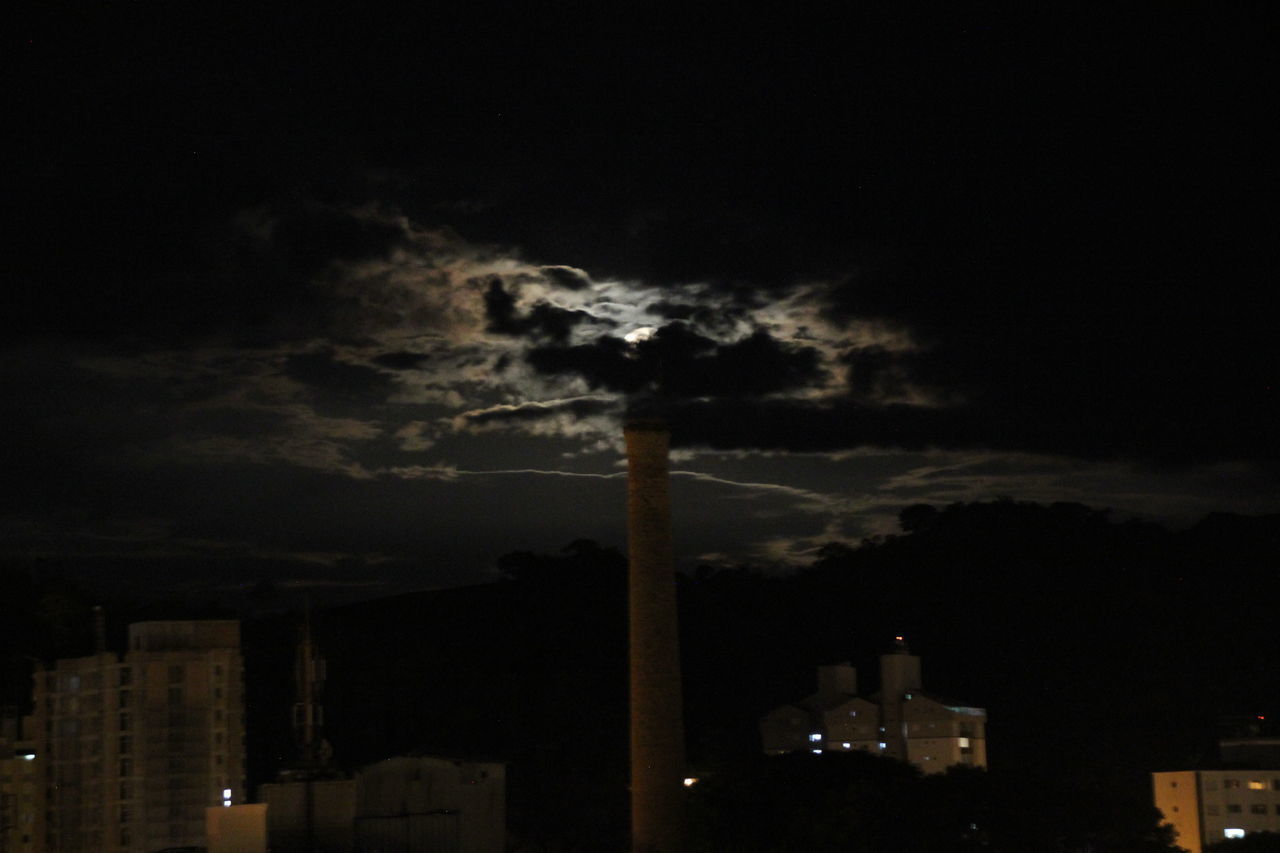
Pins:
x,y
357,302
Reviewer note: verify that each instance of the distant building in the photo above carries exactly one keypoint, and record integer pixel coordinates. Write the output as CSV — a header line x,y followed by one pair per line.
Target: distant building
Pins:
x,y
901,720
130,752
1207,806
400,805
427,803
21,794
310,815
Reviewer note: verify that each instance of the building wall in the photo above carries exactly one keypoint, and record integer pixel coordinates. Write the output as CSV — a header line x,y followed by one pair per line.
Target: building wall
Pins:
x,y
21,791
1239,799
1177,799
428,803
332,807
1203,805
237,829
135,750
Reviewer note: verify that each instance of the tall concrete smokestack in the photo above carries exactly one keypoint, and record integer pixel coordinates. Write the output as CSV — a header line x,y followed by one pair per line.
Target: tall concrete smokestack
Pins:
x,y
657,727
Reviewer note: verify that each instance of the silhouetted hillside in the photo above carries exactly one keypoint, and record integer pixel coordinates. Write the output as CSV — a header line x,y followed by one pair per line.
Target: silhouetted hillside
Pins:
x,y
1102,650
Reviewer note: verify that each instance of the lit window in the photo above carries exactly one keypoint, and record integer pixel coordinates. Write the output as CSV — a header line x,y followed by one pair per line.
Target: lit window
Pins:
x,y
884,745
853,713
964,742
690,781
846,745
1257,785
226,793
815,737
1233,832
817,752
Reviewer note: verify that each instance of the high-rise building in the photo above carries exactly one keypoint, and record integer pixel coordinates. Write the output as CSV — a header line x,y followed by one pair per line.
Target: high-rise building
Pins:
x,y
131,750
21,798
900,721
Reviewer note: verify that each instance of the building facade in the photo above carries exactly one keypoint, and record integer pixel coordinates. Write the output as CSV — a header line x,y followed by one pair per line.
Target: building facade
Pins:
x,y
131,750
1207,806
900,721
21,797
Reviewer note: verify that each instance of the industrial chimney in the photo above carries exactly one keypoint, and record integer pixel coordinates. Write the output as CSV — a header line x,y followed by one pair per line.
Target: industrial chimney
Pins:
x,y
657,728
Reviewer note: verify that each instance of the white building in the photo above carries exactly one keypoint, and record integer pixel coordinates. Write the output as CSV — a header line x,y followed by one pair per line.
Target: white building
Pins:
x,y
900,721
1207,806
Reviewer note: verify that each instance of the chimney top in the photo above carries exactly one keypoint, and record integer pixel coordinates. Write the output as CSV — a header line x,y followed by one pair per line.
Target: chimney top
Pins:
x,y
645,424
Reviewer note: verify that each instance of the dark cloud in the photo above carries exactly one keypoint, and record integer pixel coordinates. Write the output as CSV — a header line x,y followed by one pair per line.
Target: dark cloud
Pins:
x,y
876,373
566,277
714,314
311,240
336,382
401,360
679,362
544,320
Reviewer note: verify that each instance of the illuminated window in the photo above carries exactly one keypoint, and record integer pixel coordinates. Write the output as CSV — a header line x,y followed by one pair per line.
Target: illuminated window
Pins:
x,y
815,737
846,745
690,781
964,741
817,752
1257,785
1233,832
884,745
